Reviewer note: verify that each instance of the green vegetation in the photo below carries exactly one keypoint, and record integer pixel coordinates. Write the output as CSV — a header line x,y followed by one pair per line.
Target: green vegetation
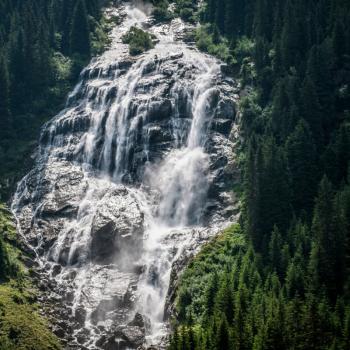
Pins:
x,y
213,44
185,9
43,47
230,298
21,326
161,11
289,286
139,41
9,255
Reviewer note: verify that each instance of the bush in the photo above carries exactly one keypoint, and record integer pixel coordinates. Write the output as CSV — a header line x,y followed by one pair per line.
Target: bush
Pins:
x,y
161,11
210,42
139,41
187,10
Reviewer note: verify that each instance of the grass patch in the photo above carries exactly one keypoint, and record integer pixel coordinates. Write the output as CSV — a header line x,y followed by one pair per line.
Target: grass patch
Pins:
x,y
21,326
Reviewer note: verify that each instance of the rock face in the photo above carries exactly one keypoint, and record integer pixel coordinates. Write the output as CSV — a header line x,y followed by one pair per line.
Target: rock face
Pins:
x,y
130,179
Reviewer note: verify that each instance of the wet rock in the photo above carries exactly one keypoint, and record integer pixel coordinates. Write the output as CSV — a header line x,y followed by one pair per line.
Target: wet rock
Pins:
x,y
28,262
83,336
159,110
56,270
117,224
130,337
157,134
59,332
225,69
138,321
226,109
80,315
223,126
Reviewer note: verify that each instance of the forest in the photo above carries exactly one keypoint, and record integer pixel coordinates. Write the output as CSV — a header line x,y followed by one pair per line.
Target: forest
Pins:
x,y
284,284
280,277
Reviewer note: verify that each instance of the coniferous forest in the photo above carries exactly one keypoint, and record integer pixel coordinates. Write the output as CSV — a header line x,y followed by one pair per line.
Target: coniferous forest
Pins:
x,y
280,277
280,280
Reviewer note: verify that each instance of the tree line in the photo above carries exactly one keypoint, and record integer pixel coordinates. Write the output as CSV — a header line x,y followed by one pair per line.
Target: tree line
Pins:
x,y
289,287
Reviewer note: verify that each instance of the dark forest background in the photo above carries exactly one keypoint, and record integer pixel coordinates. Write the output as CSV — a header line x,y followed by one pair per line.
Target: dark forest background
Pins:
x,y
280,279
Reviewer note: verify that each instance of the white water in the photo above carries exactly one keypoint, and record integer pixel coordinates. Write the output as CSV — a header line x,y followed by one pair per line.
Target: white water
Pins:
x,y
172,192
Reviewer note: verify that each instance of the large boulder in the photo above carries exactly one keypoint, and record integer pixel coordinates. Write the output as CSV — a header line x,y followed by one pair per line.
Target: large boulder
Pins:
x,y
117,225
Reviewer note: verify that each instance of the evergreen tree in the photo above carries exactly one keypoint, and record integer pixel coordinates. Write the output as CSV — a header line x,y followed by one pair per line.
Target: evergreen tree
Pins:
x,y
328,251
220,15
79,35
5,116
302,162
311,109
223,336
275,250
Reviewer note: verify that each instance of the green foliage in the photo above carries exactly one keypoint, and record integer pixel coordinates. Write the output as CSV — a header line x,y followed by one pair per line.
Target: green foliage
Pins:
x,y
9,266
139,41
199,283
228,299
21,326
208,42
161,11
288,286
80,32
186,9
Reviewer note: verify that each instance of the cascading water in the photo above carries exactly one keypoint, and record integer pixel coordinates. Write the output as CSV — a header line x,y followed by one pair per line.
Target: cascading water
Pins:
x,y
130,179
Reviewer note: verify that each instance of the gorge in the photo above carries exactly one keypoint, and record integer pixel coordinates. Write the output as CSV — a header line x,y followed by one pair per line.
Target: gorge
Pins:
x,y
130,179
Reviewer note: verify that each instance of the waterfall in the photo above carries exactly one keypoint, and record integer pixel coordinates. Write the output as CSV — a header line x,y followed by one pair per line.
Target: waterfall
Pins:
x,y
130,180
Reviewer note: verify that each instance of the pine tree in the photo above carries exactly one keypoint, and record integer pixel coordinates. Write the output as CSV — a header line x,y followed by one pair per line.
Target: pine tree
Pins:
x,y
223,336
224,299
311,109
79,35
211,10
211,291
275,249
220,15
275,191
327,258
66,25
302,162
5,116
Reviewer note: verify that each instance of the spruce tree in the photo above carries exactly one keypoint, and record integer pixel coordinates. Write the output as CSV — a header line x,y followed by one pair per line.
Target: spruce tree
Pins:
x,y
302,162
79,35
220,15
5,116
